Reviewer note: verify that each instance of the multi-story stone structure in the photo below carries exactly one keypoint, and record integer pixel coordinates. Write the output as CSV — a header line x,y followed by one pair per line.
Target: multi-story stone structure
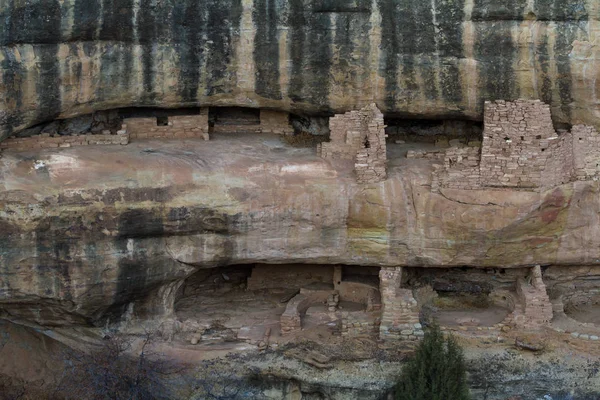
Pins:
x,y
521,150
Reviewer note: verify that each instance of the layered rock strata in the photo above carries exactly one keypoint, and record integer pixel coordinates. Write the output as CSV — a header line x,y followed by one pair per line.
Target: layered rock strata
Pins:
x,y
427,59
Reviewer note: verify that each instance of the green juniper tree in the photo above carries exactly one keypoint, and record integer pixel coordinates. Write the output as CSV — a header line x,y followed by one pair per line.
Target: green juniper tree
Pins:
x,y
437,372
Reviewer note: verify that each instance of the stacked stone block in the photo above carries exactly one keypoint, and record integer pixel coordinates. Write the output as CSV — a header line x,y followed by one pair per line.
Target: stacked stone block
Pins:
x,y
179,126
346,136
275,122
356,324
291,319
518,141
429,155
586,148
359,136
460,169
536,309
400,312
521,150
371,160
45,141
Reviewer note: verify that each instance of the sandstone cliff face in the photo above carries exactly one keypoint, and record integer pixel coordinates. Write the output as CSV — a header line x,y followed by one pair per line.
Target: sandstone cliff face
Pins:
x,y
423,58
88,229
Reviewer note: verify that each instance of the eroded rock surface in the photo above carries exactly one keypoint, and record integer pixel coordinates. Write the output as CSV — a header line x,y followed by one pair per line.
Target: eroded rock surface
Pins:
x,y
431,59
87,230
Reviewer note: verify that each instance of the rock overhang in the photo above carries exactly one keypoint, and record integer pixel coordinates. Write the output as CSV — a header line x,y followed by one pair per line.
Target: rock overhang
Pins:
x,y
311,57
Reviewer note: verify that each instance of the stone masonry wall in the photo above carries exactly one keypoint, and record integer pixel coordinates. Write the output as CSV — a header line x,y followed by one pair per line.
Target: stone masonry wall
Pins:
x,y
521,150
535,310
275,122
357,324
371,160
347,136
46,141
291,319
586,147
359,136
518,141
179,126
460,169
400,312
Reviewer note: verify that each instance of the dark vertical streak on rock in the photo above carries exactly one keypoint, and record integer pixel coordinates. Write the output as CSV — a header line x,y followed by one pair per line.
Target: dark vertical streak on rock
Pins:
x,y
49,79
566,33
75,62
297,22
86,17
13,75
571,22
494,10
147,32
352,49
494,48
418,17
390,51
319,60
543,61
222,18
5,27
136,268
35,23
561,10
449,15
266,49
53,259
496,53
117,21
117,59
188,27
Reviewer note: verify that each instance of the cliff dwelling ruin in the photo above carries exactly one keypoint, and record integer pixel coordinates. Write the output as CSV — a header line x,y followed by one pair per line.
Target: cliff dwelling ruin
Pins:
x,y
281,199
411,204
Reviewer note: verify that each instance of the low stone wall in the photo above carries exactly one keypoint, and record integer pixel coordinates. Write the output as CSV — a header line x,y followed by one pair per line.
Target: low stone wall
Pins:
x,y
179,126
429,155
48,142
360,323
291,319
236,129
275,122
